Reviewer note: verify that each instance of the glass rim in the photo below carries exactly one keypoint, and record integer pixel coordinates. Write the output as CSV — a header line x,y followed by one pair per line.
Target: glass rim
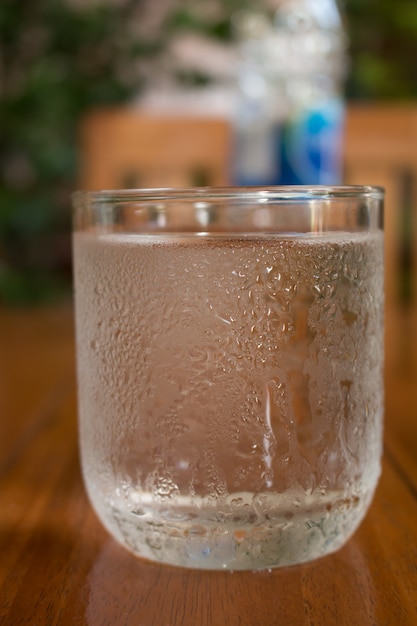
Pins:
x,y
271,194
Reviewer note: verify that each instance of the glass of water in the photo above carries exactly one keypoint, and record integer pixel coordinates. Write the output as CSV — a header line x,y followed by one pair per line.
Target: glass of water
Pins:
x,y
230,352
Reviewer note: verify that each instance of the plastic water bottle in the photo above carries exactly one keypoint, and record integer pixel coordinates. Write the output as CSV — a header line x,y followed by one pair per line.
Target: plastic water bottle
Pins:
x,y
290,116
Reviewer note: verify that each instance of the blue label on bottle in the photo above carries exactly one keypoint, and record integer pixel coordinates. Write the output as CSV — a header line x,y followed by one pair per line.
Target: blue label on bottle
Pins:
x,y
305,149
309,147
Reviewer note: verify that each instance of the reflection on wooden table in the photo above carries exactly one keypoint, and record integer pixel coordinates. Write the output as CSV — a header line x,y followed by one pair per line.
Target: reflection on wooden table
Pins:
x,y
58,566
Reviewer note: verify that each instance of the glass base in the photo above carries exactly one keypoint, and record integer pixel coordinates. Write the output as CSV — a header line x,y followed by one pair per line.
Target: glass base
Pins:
x,y
248,532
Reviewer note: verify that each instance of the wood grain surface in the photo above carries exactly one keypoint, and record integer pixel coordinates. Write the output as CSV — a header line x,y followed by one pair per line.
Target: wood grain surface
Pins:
x,y
58,566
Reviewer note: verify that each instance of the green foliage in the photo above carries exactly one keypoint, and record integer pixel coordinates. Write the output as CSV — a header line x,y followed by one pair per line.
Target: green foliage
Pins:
x,y
56,61
383,49
183,19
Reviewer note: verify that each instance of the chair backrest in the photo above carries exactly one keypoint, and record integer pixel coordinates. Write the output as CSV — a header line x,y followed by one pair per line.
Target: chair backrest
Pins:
x,y
381,149
129,148
124,148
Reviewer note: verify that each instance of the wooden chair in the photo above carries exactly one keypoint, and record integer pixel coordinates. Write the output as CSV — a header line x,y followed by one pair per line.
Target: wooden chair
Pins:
x,y
381,149
128,148
125,148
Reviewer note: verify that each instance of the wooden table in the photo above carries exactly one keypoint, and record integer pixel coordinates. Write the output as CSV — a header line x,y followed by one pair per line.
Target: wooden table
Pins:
x,y
58,566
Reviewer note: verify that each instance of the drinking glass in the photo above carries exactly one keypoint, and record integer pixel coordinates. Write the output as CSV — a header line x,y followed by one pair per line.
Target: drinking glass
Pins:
x,y
230,351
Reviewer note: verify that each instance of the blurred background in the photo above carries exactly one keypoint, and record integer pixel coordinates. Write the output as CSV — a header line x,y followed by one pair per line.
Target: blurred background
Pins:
x,y
129,93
